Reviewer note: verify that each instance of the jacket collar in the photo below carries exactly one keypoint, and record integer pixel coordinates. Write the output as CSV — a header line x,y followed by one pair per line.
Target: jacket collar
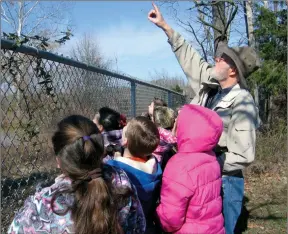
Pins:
x,y
212,83
228,99
232,94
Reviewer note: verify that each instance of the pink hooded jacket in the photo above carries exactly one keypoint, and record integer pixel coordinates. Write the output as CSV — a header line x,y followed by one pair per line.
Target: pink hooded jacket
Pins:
x,y
191,185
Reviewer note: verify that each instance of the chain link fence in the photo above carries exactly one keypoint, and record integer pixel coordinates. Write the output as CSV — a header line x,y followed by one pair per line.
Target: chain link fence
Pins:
x,y
37,90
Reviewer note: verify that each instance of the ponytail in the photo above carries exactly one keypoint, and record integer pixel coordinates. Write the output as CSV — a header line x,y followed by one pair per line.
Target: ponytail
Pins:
x,y
79,147
95,210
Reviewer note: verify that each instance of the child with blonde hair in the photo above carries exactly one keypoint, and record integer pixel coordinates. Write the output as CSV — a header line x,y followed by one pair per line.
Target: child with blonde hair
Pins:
x,y
164,118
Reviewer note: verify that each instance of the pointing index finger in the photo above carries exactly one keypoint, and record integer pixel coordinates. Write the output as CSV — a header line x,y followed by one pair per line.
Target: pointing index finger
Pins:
x,y
155,7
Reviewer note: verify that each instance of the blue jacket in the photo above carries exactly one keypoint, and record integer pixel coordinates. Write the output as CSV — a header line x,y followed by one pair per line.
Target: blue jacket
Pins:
x,y
147,185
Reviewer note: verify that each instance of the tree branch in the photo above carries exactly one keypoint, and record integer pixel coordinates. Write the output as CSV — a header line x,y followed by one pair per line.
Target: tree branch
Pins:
x,y
223,20
5,17
20,17
231,17
210,25
11,16
206,29
204,13
37,24
31,9
200,43
188,24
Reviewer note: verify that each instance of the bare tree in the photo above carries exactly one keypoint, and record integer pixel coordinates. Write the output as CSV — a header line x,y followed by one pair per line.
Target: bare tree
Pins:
x,y
249,22
91,84
87,50
266,4
248,13
163,78
174,82
35,17
207,21
219,23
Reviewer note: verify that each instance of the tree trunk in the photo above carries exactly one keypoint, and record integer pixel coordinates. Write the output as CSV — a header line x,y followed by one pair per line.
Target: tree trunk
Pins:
x,y
209,45
19,31
266,4
248,14
256,94
219,22
275,4
20,18
270,111
229,8
249,23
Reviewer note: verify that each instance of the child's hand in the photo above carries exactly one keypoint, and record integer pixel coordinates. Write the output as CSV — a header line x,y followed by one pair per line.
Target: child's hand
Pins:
x,y
174,128
145,114
117,154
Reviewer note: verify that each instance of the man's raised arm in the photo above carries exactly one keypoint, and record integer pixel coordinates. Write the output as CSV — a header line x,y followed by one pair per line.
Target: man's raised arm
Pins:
x,y
196,69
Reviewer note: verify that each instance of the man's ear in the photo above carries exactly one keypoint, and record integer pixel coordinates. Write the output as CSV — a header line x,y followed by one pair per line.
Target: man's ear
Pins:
x,y
124,142
233,71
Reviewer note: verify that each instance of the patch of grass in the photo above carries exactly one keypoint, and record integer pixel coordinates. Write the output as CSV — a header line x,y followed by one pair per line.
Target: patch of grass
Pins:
x,y
271,150
266,202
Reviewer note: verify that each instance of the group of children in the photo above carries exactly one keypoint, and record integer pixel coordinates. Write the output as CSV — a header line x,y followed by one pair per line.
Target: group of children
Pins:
x,y
155,174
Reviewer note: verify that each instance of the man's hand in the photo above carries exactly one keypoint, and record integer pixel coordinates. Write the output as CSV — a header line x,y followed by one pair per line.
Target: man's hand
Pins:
x,y
156,17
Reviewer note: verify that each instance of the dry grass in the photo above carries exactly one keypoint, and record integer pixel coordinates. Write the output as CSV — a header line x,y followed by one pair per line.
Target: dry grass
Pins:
x,y
266,185
266,202
271,150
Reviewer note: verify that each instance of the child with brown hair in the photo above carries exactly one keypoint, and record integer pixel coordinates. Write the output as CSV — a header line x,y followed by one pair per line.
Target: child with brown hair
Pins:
x,y
140,139
88,197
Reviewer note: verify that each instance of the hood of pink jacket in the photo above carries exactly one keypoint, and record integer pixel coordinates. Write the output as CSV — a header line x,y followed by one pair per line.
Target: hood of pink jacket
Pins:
x,y
198,129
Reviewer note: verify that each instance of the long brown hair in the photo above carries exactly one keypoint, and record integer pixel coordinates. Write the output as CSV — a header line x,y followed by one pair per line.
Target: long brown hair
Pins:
x,y
79,147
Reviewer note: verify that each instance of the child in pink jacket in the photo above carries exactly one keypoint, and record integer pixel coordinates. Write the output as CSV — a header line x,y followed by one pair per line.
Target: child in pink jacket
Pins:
x,y
190,194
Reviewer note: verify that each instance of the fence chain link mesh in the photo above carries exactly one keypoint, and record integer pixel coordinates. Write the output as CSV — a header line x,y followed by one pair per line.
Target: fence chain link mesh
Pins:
x,y
36,93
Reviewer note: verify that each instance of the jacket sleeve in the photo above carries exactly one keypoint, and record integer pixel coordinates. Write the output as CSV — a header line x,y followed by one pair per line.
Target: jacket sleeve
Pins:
x,y
174,200
196,69
241,138
168,137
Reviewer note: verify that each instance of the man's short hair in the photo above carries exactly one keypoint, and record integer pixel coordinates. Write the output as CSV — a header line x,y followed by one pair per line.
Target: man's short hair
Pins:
x,y
159,102
142,136
164,117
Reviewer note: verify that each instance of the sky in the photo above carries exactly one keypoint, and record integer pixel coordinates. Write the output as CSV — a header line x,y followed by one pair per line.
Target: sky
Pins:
x,y
122,30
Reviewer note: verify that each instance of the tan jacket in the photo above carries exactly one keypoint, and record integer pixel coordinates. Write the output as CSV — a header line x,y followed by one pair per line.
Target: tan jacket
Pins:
x,y
237,109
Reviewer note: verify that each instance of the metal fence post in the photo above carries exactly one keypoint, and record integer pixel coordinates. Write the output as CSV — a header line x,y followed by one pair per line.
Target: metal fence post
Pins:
x,y
169,99
133,99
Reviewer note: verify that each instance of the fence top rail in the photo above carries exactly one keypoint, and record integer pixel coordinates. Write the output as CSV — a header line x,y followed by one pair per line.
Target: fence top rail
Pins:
x,y
10,45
